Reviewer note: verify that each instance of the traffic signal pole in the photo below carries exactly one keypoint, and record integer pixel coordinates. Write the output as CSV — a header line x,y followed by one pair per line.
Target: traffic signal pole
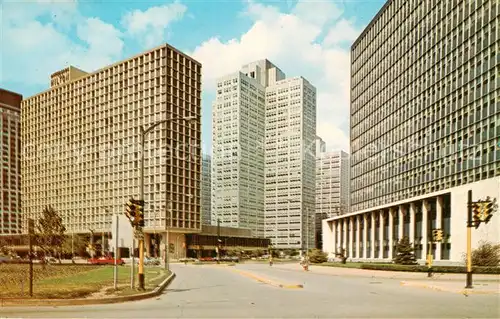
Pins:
x,y
141,238
468,280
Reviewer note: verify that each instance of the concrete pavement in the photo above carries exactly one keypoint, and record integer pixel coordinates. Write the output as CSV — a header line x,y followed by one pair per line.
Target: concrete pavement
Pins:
x,y
220,292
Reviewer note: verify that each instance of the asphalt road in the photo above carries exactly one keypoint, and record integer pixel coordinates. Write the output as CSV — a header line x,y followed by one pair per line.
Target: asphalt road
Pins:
x,y
225,292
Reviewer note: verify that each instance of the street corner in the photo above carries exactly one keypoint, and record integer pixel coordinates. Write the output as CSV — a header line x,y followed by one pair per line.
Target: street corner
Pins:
x,y
267,280
454,287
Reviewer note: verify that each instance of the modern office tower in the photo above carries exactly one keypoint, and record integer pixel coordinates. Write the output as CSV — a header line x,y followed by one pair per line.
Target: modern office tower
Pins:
x,y
425,127
10,150
238,136
290,165
332,187
206,189
82,138
320,146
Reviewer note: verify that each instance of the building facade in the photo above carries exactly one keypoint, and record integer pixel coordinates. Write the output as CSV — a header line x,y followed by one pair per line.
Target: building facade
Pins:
x,y
290,166
238,136
332,188
206,190
425,123
10,150
263,127
82,144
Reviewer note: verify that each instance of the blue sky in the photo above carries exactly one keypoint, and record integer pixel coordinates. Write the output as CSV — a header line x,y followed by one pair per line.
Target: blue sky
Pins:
x,y
307,38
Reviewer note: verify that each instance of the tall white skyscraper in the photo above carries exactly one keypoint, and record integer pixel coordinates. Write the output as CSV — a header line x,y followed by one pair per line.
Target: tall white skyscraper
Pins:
x,y
238,116
265,123
290,163
332,187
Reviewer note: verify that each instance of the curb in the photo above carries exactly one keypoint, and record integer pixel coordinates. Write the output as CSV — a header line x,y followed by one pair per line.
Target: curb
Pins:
x,y
17,302
268,281
463,291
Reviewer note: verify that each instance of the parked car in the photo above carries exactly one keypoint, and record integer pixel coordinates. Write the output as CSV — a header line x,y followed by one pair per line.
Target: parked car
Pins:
x,y
106,261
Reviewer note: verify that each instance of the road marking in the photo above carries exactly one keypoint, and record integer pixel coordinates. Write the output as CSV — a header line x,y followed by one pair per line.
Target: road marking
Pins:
x,y
462,291
267,281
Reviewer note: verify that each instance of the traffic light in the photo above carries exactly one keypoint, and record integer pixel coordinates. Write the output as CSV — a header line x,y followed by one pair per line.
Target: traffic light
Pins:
x,y
489,209
135,212
437,235
476,214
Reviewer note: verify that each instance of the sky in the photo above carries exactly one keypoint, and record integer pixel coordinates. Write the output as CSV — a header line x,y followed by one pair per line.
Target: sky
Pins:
x,y
303,38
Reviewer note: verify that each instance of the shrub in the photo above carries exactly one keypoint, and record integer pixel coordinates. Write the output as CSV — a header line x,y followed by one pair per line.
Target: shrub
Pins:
x,y
487,254
405,255
435,269
317,256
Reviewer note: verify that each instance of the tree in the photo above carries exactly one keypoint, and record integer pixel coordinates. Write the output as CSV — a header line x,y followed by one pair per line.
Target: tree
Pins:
x,y
487,254
79,245
317,256
49,234
404,253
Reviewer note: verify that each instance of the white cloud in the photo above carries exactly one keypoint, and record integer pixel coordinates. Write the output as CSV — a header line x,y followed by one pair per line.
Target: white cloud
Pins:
x,y
149,26
293,42
343,31
37,49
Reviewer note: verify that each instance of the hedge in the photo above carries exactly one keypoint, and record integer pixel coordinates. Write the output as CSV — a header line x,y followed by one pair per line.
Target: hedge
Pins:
x,y
436,269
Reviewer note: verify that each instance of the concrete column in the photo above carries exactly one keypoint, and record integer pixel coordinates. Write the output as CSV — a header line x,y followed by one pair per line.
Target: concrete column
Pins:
x,y
381,235
412,224
401,227
344,235
365,234
351,229
358,230
439,218
334,236
338,248
390,235
425,227
372,237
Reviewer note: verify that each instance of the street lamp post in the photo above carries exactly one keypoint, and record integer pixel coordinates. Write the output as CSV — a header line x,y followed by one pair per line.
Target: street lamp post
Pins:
x,y
167,239
144,132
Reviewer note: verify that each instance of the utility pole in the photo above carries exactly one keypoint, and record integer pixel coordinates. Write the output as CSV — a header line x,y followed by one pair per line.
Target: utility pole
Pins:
x,y
167,239
31,227
468,280
218,240
115,269
132,267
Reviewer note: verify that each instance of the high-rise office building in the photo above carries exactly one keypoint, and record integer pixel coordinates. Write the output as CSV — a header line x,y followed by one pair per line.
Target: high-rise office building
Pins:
x,y
320,146
290,166
332,187
425,124
238,116
263,124
10,150
206,189
82,140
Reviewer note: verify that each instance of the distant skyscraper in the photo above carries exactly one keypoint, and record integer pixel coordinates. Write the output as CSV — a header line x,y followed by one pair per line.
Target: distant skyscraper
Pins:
x,y
10,150
290,163
320,146
206,189
332,187
259,114
238,117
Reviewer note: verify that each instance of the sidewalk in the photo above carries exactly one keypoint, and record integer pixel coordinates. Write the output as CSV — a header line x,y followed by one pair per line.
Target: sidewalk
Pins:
x,y
456,287
402,275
